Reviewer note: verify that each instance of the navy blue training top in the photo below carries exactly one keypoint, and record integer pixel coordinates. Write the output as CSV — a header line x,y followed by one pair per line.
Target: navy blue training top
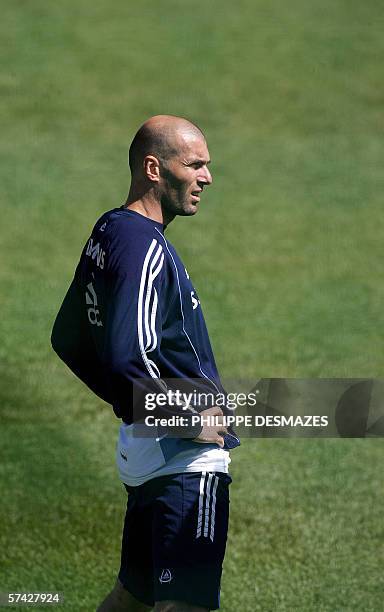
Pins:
x,y
131,312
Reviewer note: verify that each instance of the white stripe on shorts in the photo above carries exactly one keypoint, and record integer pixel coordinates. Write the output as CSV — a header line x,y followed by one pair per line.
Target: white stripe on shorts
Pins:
x,y
213,510
207,506
207,509
201,505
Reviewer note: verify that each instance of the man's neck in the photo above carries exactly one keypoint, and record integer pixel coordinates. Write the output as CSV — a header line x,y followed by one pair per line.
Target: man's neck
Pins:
x,y
148,207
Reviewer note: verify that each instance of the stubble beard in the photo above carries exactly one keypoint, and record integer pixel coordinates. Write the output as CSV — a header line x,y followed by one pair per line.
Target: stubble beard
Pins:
x,y
178,206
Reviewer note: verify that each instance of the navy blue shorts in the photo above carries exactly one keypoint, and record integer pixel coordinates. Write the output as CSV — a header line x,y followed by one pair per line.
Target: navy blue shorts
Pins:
x,y
174,538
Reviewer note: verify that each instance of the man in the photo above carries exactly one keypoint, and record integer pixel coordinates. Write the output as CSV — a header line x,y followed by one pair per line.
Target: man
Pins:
x,y
132,314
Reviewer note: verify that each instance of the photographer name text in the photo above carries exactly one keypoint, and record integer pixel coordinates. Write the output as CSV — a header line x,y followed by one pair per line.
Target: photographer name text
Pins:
x,y
237,420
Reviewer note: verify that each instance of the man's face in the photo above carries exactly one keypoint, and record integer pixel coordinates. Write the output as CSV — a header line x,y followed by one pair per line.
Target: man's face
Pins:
x,y
185,175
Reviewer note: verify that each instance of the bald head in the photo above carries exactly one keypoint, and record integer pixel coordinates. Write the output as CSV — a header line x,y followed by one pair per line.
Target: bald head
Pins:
x,y
161,136
169,160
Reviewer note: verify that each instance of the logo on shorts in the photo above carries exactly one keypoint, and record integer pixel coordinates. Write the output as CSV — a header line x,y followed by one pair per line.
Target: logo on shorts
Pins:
x,y
165,576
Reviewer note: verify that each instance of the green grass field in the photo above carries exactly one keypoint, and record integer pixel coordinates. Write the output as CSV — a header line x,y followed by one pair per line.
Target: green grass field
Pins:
x,y
286,254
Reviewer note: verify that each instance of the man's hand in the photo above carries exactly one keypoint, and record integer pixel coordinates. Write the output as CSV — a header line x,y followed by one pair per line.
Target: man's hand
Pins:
x,y
212,433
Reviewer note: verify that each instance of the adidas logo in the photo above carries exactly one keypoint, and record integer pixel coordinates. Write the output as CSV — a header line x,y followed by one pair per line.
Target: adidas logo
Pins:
x,y
165,576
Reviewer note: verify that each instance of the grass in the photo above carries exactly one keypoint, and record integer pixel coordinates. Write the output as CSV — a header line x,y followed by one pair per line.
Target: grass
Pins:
x,y
285,254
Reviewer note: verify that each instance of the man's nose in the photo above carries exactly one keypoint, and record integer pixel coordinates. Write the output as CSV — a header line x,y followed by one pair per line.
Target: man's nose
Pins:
x,y
206,176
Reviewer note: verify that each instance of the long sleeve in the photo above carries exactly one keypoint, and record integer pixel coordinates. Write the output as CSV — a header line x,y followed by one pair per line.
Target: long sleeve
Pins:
x,y
131,331
129,338
72,341
110,326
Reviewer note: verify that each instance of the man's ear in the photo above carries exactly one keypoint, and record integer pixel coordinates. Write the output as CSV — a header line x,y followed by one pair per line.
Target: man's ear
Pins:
x,y
152,168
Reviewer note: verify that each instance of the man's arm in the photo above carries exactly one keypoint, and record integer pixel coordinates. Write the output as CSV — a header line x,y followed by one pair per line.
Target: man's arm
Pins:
x,y
132,341
71,340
